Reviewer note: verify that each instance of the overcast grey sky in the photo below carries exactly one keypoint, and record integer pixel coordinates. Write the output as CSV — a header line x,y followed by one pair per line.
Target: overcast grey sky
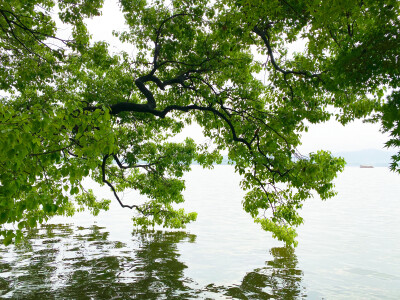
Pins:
x,y
328,136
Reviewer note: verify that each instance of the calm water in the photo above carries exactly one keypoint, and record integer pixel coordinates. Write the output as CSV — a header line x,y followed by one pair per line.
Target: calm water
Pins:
x,y
349,248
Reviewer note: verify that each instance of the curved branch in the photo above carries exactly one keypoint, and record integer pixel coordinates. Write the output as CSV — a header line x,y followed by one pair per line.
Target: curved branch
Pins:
x,y
15,22
103,170
261,33
124,167
133,107
9,23
156,42
180,79
151,102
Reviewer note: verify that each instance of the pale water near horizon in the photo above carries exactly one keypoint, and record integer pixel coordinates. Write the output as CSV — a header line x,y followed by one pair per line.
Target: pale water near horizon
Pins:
x,y
349,248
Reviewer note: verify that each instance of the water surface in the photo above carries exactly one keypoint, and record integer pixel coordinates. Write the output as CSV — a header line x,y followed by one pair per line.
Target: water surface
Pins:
x,y
63,262
349,248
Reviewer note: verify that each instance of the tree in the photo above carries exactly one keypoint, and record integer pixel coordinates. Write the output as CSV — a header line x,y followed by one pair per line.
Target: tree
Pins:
x,y
72,109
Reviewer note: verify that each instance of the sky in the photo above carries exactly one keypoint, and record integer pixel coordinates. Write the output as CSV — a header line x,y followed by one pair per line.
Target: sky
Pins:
x,y
330,136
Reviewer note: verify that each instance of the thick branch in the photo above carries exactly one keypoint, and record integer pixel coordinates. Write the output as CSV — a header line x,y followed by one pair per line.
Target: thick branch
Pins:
x,y
133,107
151,102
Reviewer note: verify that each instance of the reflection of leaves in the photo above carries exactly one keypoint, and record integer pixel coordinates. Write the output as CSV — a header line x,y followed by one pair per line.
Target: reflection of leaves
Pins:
x,y
153,271
95,234
280,279
156,261
30,273
67,263
4,283
62,263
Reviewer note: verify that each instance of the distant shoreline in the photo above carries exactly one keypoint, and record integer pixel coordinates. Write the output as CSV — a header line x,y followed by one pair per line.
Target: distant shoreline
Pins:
x,y
367,157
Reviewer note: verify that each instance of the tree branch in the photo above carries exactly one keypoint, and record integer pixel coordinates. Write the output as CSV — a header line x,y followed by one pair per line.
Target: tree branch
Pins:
x,y
34,33
156,42
261,33
103,170
124,167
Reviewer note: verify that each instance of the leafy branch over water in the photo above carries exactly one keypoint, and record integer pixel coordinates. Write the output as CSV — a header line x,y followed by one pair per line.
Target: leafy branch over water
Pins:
x,y
70,108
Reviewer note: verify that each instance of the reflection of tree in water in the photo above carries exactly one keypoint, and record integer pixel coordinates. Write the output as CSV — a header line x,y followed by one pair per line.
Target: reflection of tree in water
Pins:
x,y
280,279
26,268
85,265
62,263
147,273
159,271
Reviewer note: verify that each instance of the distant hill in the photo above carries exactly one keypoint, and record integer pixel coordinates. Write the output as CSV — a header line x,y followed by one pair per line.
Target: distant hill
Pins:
x,y
373,157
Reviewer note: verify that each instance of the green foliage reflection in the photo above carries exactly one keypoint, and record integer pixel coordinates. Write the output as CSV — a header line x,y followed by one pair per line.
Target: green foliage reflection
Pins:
x,y
62,262
279,279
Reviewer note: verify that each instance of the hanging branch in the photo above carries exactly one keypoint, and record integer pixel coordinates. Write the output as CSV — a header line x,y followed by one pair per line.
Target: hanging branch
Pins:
x,y
103,170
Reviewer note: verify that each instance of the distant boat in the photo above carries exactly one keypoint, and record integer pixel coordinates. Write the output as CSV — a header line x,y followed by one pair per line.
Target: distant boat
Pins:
x,y
366,167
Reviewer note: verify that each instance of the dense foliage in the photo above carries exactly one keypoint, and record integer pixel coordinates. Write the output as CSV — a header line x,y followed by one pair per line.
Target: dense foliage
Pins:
x,y
70,109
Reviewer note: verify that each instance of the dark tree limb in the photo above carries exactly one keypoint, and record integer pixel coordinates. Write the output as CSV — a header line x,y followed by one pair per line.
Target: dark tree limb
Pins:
x,y
157,46
180,79
14,21
103,170
264,36
132,108
125,167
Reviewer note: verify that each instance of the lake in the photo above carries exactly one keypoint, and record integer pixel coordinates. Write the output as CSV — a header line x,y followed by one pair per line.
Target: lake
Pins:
x,y
349,248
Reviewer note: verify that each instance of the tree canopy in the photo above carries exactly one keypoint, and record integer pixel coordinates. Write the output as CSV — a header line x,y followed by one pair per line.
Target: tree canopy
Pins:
x,y
71,108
